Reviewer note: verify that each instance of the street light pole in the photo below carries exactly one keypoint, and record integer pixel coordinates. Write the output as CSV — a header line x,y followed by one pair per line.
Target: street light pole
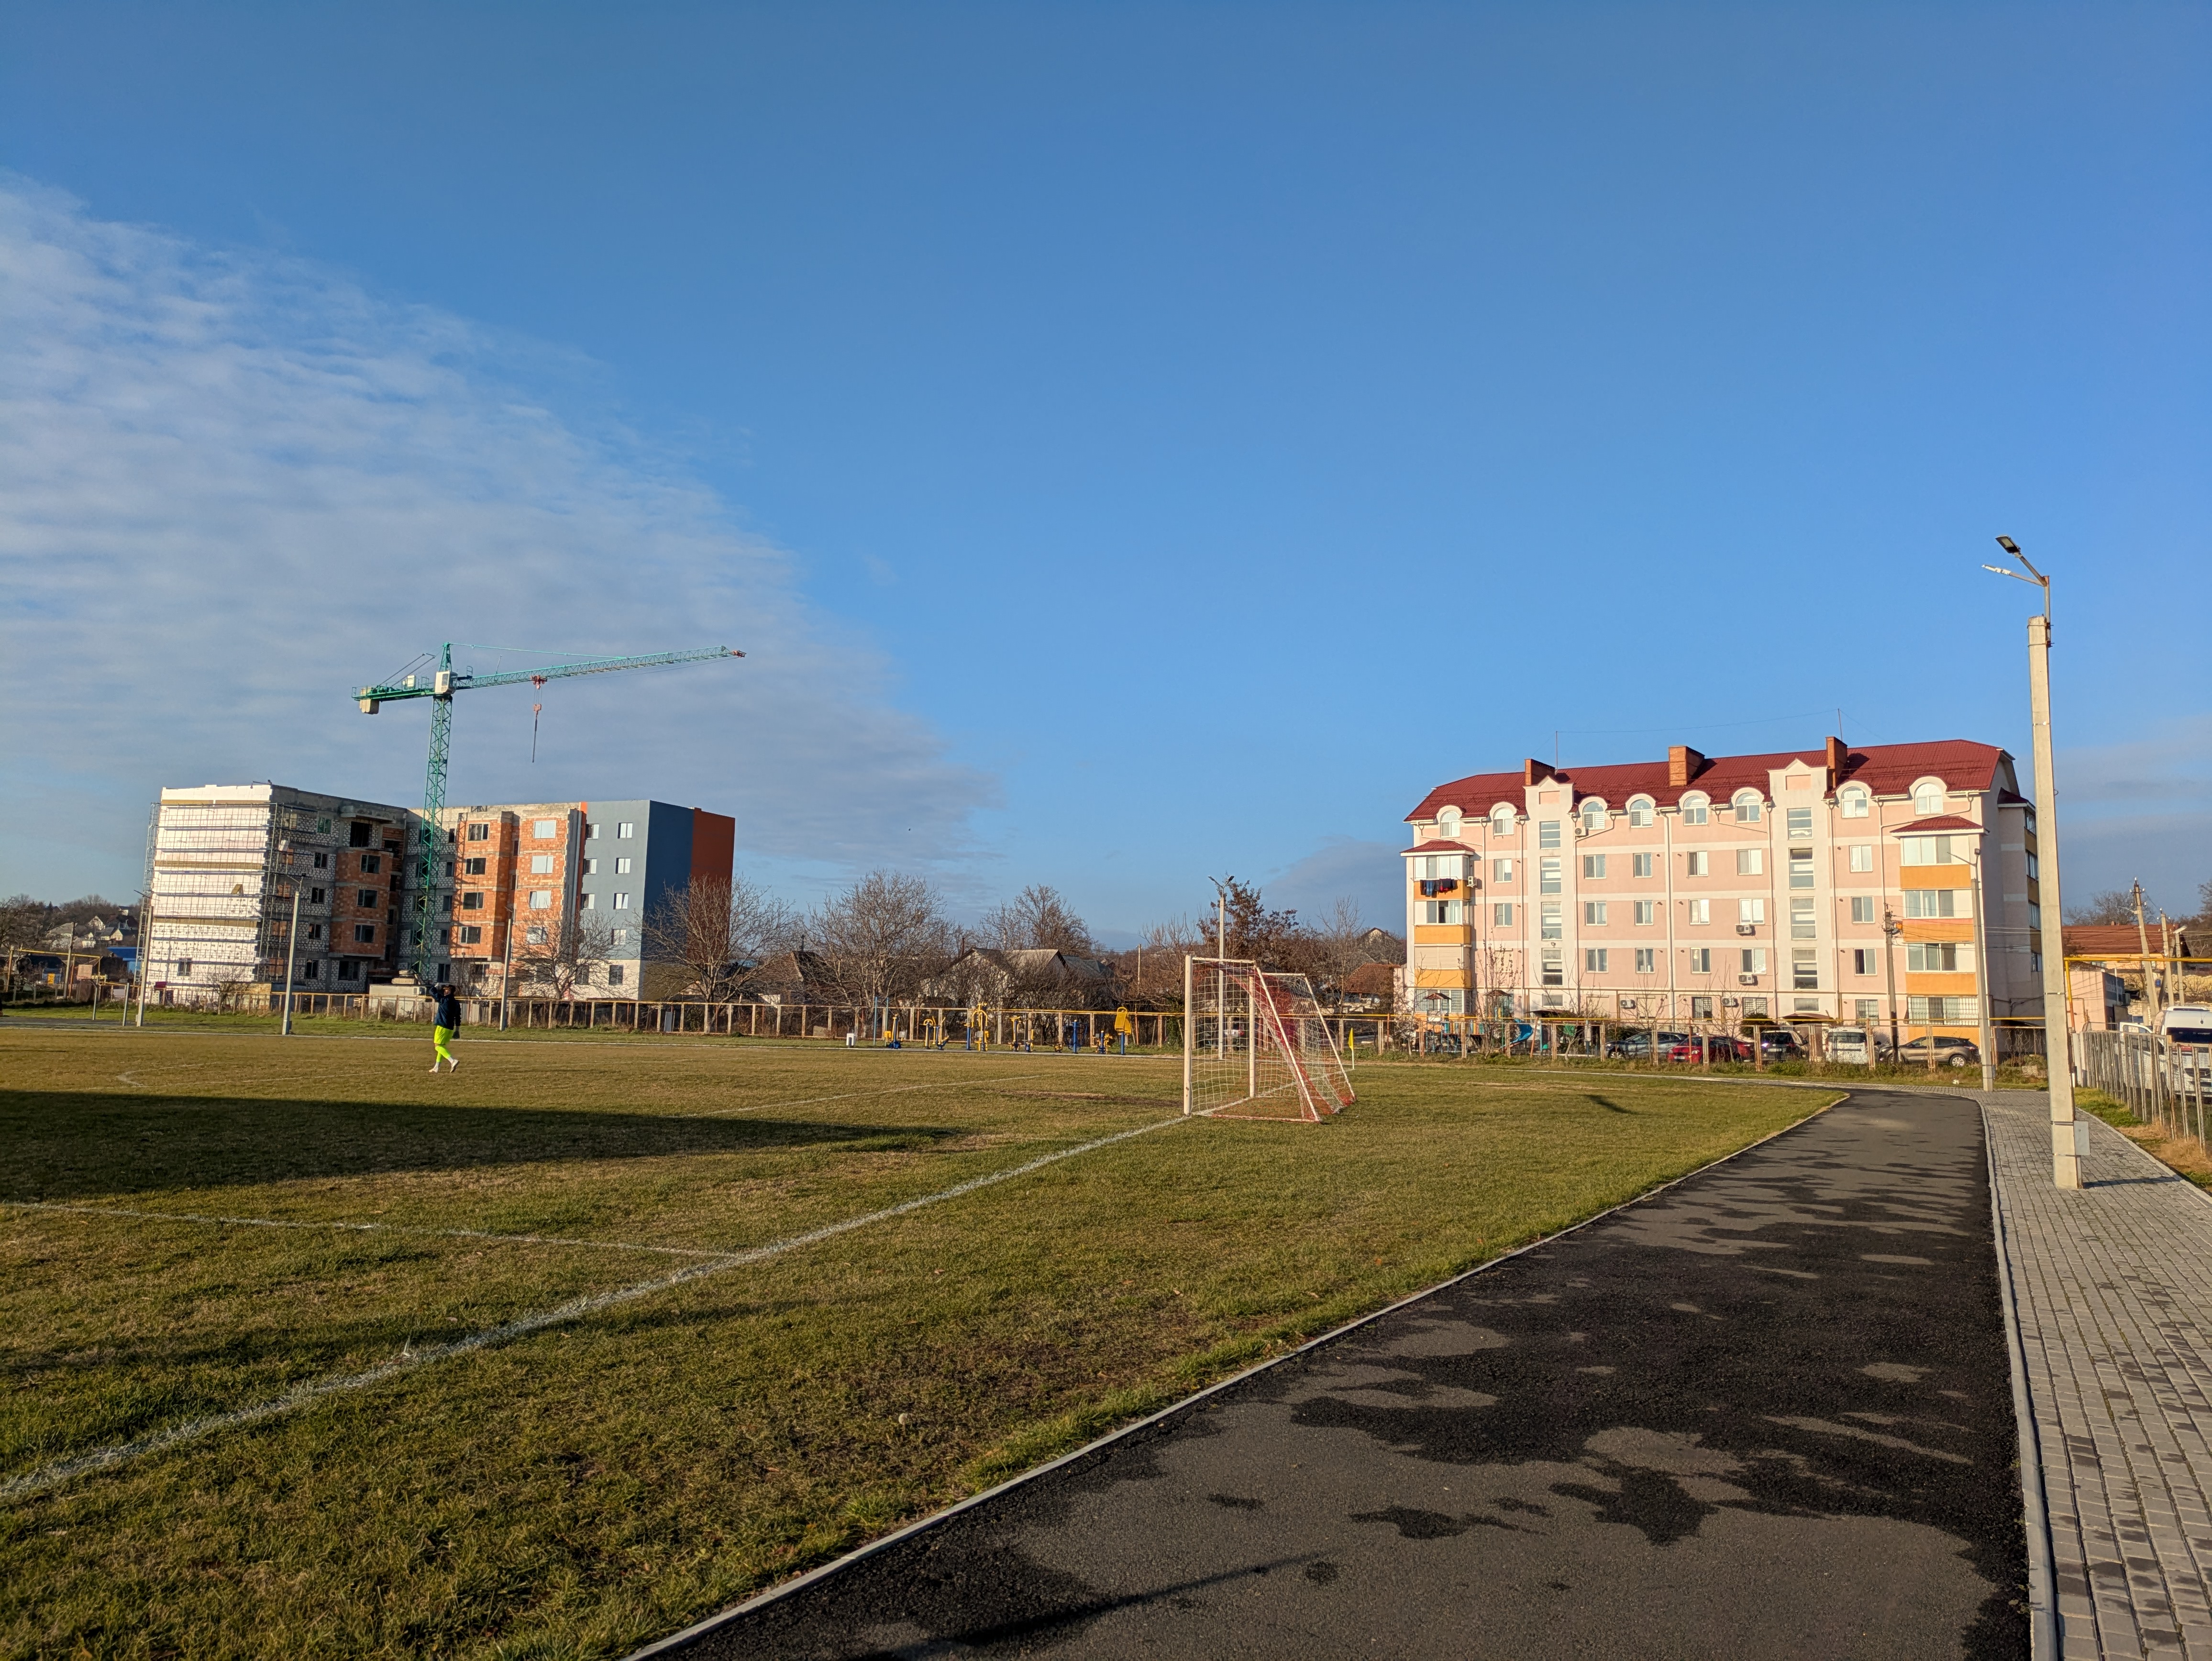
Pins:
x,y
292,937
2065,1131
1988,1034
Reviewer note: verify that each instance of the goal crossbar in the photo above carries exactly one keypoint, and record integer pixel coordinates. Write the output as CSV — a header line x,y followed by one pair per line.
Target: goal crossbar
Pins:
x,y
1256,1045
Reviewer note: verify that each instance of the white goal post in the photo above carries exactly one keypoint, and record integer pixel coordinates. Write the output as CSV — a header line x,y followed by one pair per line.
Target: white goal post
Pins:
x,y
1255,1044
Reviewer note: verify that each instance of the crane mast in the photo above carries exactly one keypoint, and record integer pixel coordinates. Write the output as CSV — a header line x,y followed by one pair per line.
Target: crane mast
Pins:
x,y
443,684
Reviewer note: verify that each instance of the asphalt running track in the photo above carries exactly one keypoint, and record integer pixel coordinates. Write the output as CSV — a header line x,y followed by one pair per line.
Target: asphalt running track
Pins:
x,y
1765,1412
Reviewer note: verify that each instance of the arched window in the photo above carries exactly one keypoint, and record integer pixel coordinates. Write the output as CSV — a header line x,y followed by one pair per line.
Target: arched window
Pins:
x,y
1593,812
1693,808
1747,807
1447,821
1501,820
1854,802
1639,811
1928,798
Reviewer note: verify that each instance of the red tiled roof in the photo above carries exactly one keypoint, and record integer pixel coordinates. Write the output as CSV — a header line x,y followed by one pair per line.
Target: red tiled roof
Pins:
x,y
1437,846
1940,821
1888,770
2119,940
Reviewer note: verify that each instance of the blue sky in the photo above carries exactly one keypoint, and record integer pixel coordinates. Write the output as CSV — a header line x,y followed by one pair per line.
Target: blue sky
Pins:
x,y
1133,442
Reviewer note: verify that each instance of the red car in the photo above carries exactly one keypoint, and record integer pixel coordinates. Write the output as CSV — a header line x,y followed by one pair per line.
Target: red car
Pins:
x,y
1723,1048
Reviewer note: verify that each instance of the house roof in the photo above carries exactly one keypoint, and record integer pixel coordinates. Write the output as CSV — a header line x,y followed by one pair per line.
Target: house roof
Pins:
x,y
1930,825
2120,940
1888,770
1437,845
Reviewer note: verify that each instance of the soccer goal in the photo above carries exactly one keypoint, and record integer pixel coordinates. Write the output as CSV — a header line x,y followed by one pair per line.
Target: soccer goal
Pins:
x,y
1256,1046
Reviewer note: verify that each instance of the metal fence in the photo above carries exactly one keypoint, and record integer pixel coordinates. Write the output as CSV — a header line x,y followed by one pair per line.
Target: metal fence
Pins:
x,y
2160,1082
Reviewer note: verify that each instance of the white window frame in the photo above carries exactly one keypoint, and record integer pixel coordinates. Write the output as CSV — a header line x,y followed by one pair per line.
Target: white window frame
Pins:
x,y
1862,857
1854,803
1647,913
1701,911
1647,959
541,899
1752,911
1750,861
1748,807
1642,865
622,902
1697,863
1593,866
545,830
1594,914
1639,812
1697,808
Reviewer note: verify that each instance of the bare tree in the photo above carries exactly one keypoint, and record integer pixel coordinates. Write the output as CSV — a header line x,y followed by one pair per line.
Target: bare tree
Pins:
x,y
882,938
565,957
722,931
1038,919
2112,905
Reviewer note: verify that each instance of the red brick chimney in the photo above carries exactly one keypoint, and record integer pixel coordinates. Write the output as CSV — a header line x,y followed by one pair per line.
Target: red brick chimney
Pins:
x,y
1682,764
1839,755
1533,772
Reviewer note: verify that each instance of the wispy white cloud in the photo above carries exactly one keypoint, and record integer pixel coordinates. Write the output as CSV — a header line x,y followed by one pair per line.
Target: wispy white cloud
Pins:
x,y
234,486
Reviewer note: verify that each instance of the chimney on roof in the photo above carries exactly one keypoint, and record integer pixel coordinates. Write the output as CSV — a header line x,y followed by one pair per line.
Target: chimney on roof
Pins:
x,y
1682,764
1839,753
1532,771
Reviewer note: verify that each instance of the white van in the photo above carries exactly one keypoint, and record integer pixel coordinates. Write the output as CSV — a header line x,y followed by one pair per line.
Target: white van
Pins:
x,y
2185,1038
1852,1045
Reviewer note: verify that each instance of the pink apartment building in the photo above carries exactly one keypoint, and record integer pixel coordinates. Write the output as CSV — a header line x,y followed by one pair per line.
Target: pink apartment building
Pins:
x,y
1708,889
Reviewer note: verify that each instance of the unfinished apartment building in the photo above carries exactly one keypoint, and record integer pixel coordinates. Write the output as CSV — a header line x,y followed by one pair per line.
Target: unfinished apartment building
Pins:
x,y
223,862
551,898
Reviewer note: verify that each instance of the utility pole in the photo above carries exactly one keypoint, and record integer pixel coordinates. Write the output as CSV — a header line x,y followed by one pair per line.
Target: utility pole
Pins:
x,y
292,936
1988,1034
1891,928
2065,1130
2142,960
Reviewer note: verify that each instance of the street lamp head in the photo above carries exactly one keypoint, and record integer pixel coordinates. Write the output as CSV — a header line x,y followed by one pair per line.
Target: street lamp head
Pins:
x,y
2008,545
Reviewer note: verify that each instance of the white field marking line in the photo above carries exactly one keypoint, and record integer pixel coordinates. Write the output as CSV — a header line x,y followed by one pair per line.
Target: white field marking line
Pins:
x,y
54,1476
218,1220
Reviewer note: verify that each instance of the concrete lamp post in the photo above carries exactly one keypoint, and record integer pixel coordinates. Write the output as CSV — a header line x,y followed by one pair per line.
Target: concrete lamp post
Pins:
x,y
2065,1130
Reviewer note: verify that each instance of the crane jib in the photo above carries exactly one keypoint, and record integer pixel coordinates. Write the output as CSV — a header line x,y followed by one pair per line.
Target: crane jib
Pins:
x,y
441,686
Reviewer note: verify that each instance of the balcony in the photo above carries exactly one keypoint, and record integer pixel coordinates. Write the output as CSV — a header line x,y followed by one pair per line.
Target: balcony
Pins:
x,y
1433,886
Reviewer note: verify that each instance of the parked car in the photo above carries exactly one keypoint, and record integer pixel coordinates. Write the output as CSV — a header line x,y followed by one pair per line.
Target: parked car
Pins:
x,y
1780,1043
1635,1045
1854,1046
1950,1052
2186,1033
1720,1045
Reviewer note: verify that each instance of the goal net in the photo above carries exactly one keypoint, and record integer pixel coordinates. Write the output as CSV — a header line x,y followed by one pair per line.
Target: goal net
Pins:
x,y
1255,1044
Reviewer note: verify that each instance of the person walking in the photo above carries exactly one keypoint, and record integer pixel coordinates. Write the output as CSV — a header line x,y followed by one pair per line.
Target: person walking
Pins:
x,y
445,1021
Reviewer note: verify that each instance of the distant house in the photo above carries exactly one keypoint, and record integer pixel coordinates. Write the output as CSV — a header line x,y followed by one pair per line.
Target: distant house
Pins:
x,y
1039,977
1372,985
793,977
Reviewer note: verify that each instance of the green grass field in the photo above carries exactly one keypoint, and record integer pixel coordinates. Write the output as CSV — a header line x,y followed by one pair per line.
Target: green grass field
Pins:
x,y
183,1241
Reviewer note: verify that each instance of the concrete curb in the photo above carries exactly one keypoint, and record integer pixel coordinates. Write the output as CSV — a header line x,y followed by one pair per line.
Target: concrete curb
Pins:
x,y
2035,1504
699,1630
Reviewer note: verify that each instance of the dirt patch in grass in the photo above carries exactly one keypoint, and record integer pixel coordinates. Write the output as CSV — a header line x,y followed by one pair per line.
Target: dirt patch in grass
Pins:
x,y
602,1482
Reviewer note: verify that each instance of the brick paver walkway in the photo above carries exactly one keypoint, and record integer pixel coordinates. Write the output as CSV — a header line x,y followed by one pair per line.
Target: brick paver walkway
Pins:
x,y
2114,1290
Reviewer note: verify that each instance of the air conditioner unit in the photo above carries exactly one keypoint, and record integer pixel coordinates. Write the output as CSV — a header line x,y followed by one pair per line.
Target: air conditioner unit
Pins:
x,y
1747,979
1746,929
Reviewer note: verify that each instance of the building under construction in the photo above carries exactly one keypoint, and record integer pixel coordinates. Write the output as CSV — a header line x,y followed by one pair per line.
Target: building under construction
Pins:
x,y
540,889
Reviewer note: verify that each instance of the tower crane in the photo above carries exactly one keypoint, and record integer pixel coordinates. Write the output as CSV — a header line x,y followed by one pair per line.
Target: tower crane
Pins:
x,y
439,686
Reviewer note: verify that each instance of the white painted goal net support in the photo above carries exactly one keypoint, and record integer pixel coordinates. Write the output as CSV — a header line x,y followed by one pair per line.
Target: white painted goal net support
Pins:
x,y
1255,1044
